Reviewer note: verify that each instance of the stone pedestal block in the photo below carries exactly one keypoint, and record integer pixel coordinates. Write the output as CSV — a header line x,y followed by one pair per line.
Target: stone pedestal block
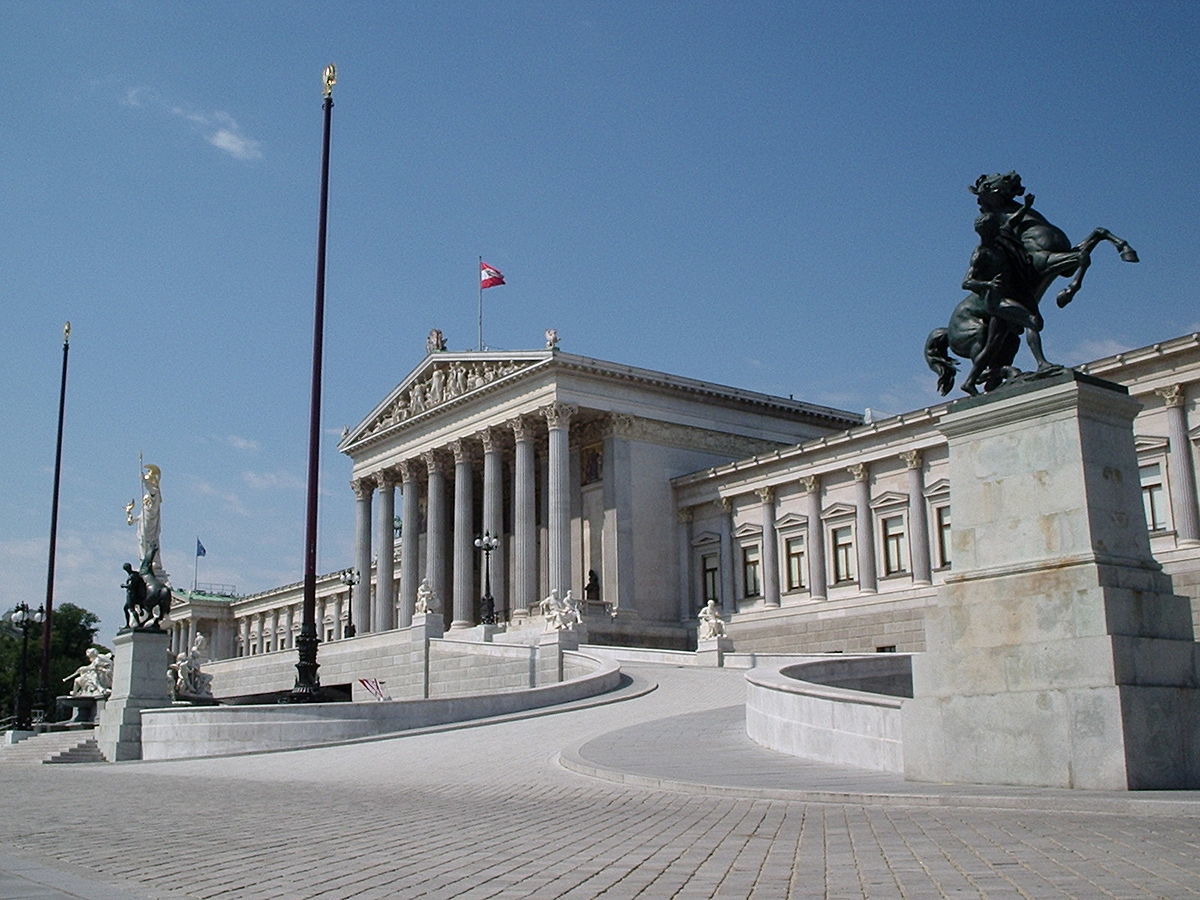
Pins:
x,y
140,681
425,626
711,651
1057,654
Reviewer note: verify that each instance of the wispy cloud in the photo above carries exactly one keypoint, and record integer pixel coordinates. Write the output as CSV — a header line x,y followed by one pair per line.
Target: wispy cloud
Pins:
x,y
217,127
231,501
264,481
238,442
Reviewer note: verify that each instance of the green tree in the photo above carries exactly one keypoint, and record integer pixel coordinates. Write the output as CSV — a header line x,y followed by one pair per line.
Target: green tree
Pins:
x,y
71,633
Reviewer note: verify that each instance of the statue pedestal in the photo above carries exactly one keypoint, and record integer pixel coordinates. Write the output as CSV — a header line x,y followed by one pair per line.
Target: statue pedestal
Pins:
x,y
1058,655
84,709
425,626
140,682
711,651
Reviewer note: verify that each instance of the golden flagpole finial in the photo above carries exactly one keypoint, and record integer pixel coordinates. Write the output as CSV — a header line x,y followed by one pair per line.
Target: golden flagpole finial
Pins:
x,y
67,332
329,76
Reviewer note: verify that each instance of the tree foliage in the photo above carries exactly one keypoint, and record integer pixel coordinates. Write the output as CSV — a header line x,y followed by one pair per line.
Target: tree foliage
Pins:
x,y
72,631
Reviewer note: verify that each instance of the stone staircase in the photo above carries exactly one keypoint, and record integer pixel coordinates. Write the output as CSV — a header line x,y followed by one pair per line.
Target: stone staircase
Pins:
x,y
54,747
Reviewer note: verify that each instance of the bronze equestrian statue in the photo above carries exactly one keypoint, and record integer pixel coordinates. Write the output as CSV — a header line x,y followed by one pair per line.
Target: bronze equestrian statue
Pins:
x,y
1018,256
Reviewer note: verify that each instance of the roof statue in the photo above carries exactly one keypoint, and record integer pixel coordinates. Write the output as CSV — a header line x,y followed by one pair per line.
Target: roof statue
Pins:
x,y
1018,257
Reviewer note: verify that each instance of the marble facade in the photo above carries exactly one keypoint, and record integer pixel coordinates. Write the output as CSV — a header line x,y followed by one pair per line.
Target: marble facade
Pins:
x,y
813,530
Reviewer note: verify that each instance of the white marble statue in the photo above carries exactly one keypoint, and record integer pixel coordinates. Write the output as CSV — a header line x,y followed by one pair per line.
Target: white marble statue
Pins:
x,y
426,602
550,609
94,679
189,680
711,625
551,338
568,614
149,521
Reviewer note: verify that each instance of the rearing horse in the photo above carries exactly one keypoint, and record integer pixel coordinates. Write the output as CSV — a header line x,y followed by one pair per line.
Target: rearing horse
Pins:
x,y
1025,255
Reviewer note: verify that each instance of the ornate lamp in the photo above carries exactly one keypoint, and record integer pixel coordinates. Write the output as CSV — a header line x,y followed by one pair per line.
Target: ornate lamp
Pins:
x,y
26,620
350,579
487,607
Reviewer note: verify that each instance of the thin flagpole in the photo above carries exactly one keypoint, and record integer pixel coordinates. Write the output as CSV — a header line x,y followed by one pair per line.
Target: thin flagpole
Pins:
x,y
196,567
479,278
43,691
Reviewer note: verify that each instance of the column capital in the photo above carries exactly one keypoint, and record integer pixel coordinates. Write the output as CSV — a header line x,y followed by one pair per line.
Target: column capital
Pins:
x,y
461,450
1172,395
385,478
621,424
363,487
522,429
433,462
809,484
408,470
858,472
912,459
489,438
558,415
683,515
725,504
766,494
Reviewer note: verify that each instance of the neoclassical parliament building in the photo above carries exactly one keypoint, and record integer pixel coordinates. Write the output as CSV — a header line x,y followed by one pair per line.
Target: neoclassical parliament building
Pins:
x,y
646,494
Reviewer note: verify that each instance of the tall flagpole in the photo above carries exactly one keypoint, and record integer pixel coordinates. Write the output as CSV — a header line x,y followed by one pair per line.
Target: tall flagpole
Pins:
x,y
479,278
43,692
308,685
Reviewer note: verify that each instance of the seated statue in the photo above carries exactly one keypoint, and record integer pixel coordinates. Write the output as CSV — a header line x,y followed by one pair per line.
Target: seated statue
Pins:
x,y
425,598
568,614
550,609
711,625
94,679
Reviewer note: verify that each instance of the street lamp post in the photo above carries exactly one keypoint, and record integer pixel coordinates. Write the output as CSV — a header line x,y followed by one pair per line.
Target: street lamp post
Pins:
x,y
350,579
26,621
487,608
44,676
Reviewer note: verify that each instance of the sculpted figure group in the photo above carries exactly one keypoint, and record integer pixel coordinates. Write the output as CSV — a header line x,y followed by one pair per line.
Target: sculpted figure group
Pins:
x,y
1019,255
560,615
94,679
188,682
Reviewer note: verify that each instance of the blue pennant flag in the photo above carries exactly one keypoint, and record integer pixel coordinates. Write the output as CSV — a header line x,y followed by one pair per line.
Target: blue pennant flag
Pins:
x,y
200,551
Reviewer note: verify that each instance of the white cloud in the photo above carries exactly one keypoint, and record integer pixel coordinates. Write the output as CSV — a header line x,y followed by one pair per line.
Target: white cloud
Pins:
x,y
241,443
232,502
265,481
218,128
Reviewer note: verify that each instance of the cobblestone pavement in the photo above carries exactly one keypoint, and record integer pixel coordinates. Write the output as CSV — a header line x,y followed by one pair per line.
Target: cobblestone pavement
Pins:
x,y
488,811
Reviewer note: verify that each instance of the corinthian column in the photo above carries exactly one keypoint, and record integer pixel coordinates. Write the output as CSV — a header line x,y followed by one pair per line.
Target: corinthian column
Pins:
x,y
811,486
409,567
435,529
363,489
464,569
683,516
525,574
770,547
1181,480
864,539
493,515
385,569
918,525
728,594
558,418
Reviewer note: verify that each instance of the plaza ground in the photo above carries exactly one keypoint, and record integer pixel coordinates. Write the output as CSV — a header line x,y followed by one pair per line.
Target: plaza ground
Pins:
x,y
658,794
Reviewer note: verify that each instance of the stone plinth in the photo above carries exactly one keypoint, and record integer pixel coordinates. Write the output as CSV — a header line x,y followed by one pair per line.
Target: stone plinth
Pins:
x,y
1057,653
711,651
425,627
140,682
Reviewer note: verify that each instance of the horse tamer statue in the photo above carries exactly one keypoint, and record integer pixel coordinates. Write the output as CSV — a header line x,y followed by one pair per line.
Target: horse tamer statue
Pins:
x,y
1018,256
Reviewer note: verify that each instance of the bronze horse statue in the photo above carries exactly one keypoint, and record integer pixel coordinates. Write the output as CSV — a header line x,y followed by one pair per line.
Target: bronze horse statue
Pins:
x,y
147,598
1019,256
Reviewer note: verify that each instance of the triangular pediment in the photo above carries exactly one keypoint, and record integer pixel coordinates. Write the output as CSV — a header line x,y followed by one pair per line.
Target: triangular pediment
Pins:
x,y
837,510
747,530
938,488
442,380
889,498
706,537
791,520
1149,444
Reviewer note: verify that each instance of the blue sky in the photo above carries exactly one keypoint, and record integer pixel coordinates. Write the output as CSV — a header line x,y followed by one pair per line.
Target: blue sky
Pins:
x,y
769,195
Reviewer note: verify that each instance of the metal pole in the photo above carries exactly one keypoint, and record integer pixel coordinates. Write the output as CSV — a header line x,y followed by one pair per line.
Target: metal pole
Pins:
x,y
308,685
479,278
43,691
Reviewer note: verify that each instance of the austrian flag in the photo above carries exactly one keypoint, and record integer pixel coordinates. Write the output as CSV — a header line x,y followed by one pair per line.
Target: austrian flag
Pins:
x,y
489,276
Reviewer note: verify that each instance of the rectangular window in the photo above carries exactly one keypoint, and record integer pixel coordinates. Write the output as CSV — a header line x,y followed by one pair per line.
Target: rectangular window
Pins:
x,y
893,545
1152,497
266,646
710,575
750,570
843,554
941,520
797,579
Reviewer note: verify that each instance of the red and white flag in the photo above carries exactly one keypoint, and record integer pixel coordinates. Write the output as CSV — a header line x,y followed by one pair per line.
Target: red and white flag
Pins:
x,y
489,276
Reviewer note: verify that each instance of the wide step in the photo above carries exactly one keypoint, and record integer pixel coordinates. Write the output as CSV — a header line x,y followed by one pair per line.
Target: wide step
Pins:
x,y
50,745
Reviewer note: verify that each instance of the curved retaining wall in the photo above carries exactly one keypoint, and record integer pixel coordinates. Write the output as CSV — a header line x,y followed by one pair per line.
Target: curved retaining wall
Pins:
x,y
788,711
176,733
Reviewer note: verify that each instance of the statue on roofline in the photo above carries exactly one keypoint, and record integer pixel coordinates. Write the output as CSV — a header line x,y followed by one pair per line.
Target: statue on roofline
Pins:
x,y
1019,256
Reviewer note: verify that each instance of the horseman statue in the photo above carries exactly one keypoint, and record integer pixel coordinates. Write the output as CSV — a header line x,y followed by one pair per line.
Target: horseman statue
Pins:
x,y
1018,256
